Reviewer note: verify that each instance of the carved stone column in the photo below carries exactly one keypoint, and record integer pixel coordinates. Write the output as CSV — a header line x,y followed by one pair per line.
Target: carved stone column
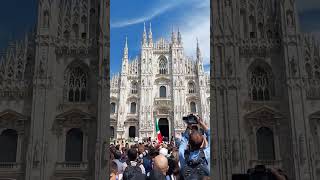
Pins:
x,y
19,147
85,147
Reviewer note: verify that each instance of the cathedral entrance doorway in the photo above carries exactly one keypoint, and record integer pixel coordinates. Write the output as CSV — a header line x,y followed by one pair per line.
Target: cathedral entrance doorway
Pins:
x,y
164,127
132,132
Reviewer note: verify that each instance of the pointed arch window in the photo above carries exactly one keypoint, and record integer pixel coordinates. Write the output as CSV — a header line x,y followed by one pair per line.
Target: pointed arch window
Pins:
x,y
133,108
8,144
113,107
46,19
261,84
134,88
252,22
163,66
163,91
74,145
191,88
77,85
193,107
265,144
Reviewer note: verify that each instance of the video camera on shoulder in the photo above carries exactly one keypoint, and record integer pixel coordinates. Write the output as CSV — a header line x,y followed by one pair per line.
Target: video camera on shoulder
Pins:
x,y
190,119
259,172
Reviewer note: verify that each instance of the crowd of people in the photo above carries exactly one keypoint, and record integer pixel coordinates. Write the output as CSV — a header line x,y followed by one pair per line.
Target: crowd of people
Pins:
x,y
185,158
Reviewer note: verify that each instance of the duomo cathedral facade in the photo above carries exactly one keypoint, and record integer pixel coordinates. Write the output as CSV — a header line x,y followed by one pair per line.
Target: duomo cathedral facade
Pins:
x,y
161,84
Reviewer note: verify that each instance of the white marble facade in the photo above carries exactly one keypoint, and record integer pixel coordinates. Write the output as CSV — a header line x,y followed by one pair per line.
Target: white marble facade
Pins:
x,y
160,83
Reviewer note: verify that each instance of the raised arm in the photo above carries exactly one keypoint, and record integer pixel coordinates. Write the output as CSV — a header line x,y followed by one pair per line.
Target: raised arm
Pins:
x,y
183,146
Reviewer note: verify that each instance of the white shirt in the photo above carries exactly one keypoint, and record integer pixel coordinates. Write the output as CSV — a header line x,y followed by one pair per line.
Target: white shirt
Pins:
x,y
134,163
120,176
120,165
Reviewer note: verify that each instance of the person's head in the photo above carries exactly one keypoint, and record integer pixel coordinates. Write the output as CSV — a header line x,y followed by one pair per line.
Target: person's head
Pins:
x,y
117,155
132,154
118,147
141,148
175,155
163,151
153,152
196,140
161,164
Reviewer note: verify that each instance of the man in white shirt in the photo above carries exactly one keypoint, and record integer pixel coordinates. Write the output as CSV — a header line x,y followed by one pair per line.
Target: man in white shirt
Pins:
x,y
132,159
117,157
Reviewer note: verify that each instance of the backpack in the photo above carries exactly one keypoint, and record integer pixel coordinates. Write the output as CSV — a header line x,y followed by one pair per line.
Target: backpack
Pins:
x,y
132,172
147,163
195,168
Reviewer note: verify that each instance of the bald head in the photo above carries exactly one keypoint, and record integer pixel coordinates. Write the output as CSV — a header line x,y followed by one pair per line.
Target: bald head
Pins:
x,y
161,163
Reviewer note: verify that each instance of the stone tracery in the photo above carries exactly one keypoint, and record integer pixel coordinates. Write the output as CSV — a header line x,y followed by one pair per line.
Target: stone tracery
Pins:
x,y
76,84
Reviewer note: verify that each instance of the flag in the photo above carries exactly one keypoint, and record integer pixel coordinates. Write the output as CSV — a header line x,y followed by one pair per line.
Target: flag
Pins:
x,y
159,136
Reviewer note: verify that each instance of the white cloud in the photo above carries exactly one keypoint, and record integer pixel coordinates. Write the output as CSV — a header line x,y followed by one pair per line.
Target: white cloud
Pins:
x,y
158,10
197,26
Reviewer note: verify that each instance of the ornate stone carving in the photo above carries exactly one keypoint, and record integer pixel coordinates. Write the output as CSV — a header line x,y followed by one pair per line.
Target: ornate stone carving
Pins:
x,y
36,154
235,152
293,67
72,119
228,65
302,149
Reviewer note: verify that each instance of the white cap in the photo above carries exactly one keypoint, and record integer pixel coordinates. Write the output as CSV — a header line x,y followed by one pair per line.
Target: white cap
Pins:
x,y
163,151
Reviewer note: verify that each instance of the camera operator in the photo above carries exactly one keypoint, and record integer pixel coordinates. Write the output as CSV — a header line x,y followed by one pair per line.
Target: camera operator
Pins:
x,y
145,158
194,149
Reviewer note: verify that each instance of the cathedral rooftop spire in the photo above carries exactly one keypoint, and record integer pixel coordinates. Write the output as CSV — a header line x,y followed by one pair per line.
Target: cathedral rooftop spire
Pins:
x,y
144,38
173,36
125,50
125,60
150,35
198,51
179,37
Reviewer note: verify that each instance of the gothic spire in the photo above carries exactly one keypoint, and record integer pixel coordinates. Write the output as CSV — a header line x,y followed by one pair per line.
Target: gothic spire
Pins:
x,y
150,35
179,37
125,51
144,38
173,36
198,51
125,60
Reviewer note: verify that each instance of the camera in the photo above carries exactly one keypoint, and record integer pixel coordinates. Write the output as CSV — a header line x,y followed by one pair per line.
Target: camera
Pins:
x,y
259,172
190,119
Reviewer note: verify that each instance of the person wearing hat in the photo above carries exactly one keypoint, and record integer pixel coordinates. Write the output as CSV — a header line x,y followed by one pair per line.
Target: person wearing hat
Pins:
x,y
164,152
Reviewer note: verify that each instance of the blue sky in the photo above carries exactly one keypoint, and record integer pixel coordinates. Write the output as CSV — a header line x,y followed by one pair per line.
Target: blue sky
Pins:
x,y
16,18
192,17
